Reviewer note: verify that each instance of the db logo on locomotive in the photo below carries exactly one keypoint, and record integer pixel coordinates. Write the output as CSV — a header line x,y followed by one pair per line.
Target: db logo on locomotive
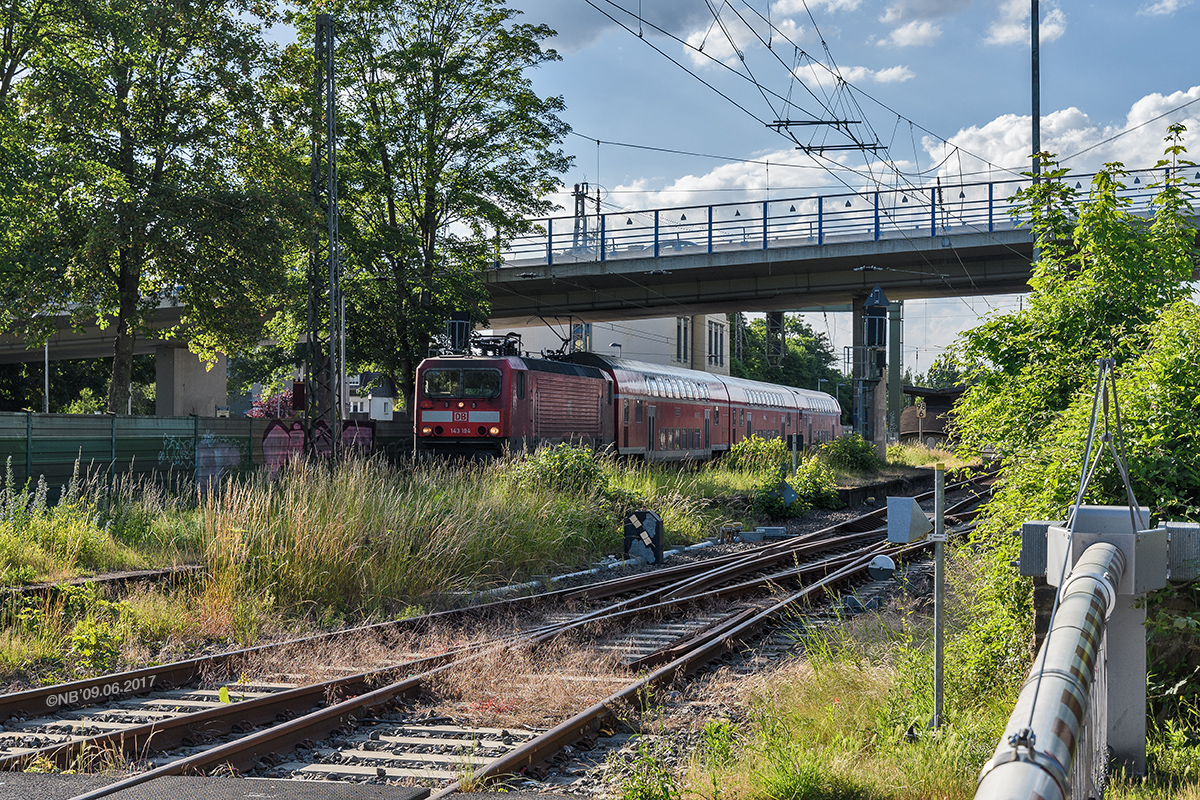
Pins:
x,y
460,416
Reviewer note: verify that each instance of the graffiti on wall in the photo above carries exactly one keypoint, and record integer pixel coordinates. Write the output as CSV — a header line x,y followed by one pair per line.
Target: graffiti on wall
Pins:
x,y
212,457
283,442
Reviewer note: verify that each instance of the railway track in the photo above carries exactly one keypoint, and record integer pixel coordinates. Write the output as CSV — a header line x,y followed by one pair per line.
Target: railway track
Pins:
x,y
377,723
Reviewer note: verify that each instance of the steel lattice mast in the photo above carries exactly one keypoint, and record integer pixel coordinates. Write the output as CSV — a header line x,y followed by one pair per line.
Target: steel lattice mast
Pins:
x,y
325,362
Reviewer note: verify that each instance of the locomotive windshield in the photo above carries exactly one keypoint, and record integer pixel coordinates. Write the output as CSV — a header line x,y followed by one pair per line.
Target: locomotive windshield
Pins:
x,y
457,382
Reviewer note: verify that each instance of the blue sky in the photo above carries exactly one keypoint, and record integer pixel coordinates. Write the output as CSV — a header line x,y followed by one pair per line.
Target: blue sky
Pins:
x,y
942,85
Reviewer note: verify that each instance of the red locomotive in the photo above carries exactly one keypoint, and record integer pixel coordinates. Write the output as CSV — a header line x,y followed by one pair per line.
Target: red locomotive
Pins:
x,y
469,404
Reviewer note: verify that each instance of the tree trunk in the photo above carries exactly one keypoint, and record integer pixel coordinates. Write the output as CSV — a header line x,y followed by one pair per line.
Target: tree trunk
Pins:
x,y
122,368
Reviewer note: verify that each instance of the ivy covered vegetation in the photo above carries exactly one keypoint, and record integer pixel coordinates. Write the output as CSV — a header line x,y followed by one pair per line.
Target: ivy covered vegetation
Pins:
x,y
1108,284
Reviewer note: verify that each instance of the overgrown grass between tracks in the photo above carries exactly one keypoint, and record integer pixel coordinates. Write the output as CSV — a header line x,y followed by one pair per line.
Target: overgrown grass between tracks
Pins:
x,y
329,546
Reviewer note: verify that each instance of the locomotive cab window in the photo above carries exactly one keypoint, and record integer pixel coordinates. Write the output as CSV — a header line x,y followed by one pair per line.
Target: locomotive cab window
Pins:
x,y
519,378
457,382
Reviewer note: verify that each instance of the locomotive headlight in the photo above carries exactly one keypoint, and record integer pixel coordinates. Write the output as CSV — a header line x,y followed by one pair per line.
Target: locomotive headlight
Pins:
x,y
425,431
461,404
494,431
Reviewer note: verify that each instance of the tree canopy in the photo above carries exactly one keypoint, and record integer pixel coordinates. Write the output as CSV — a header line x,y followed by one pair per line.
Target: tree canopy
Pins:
x,y
445,152
1102,277
1107,284
137,122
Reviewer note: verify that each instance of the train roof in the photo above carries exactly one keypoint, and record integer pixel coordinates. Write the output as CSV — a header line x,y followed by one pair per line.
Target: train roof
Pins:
x,y
806,398
529,363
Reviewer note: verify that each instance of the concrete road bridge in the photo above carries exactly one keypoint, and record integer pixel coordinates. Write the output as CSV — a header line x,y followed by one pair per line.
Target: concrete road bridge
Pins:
x,y
784,254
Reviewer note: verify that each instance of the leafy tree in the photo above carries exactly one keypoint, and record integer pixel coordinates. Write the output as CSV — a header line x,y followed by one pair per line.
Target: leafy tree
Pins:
x,y
1103,274
21,385
944,372
446,151
147,116
1107,284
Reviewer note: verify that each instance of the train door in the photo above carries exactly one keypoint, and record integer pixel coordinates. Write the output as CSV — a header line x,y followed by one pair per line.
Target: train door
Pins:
x,y
537,418
707,429
650,429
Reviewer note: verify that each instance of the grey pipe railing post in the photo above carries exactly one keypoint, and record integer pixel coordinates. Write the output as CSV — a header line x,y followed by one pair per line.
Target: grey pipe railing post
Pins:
x,y
991,206
710,229
820,220
656,233
932,212
550,241
939,587
603,217
1036,754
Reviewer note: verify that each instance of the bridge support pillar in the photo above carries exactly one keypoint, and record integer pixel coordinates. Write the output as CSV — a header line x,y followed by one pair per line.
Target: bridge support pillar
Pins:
x,y
184,385
866,365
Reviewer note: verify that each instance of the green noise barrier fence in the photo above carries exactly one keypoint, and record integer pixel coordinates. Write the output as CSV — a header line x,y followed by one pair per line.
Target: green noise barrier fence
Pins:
x,y
193,449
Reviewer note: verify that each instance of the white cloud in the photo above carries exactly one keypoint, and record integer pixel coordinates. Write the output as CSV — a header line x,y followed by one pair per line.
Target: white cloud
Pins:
x,y
1005,141
1162,8
579,26
731,183
906,11
799,6
1012,24
820,78
913,34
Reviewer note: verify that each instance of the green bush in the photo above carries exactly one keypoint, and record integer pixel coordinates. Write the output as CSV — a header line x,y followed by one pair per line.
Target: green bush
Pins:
x,y
755,454
851,452
563,468
815,483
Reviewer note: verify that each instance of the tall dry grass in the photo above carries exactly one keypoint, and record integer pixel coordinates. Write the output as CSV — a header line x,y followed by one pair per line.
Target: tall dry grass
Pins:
x,y
364,535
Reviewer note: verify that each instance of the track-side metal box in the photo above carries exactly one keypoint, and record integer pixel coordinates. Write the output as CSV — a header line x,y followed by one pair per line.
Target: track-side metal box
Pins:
x,y
906,521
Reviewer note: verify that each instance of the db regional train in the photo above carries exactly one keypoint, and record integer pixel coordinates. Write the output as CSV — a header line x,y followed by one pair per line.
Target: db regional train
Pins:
x,y
487,404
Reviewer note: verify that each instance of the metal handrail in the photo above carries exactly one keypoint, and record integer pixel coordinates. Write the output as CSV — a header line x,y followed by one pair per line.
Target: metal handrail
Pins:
x,y
1036,755
870,215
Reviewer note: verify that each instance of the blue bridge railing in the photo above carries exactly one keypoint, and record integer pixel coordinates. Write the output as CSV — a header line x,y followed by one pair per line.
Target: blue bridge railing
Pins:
x,y
814,220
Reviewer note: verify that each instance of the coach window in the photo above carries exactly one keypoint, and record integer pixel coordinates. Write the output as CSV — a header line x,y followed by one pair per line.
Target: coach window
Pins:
x,y
716,415
637,412
625,411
